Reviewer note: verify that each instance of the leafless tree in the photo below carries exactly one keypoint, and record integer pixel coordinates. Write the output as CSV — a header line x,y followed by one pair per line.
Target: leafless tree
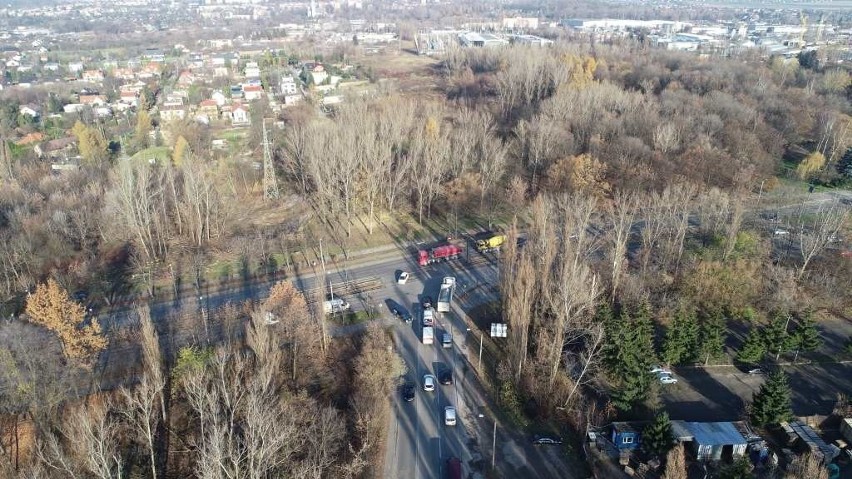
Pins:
x,y
518,285
676,467
807,467
144,405
95,434
620,216
817,229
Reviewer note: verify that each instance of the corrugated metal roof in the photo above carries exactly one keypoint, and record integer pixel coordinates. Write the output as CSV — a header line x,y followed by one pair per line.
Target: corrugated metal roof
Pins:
x,y
715,433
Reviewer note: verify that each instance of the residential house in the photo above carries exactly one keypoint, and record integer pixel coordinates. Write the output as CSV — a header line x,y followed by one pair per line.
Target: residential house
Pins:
x,y
91,99
252,70
73,107
172,112
186,78
288,86
624,436
240,115
221,72
95,76
154,55
75,67
59,148
318,74
123,73
150,70
51,67
290,100
129,97
252,92
32,111
219,98
196,60
209,108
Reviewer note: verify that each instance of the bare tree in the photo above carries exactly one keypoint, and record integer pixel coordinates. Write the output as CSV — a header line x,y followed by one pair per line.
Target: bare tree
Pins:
x,y
95,435
676,467
807,466
518,286
817,229
620,216
144,405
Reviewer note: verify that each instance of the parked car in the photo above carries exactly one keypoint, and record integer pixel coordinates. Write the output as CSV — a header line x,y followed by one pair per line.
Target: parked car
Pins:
x,y
402,314
546,440
659,370
403,277
450,416
666,379
408,392
446,377
427,302
780,232
428,382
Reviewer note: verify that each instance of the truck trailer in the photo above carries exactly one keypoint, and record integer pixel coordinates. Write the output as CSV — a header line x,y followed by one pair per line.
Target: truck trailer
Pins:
x,y
492,243
428,335
445,295
438,253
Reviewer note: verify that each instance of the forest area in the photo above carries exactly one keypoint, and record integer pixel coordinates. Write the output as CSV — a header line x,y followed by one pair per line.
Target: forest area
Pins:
x,y
570,146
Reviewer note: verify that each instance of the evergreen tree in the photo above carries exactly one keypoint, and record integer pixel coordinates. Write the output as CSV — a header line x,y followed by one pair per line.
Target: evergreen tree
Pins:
x,y
739,469
844,166
657,437
628,356
753,349
806,337
713,334
681,340
776,337
771,404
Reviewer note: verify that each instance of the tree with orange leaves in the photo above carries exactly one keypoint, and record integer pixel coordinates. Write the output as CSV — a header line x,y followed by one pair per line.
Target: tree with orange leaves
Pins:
x,y
51,307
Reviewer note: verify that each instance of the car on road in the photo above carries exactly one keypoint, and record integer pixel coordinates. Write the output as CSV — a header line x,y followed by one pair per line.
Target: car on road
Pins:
x,y
450,416
546,440
402,314
447,340
667,379
660,370
428,382
427,302
403,277
780,232
446,377
408,392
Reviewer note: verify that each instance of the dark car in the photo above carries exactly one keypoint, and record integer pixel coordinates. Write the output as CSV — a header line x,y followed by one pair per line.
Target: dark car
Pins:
x,y
427,302
446,377
408,392
402,314
546,440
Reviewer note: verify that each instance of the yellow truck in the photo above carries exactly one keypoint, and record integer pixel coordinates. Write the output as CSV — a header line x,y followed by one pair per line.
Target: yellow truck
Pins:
x,y
490,244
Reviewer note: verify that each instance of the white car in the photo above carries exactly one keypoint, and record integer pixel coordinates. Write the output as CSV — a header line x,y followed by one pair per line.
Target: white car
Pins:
x,y
780,232
450,416
403,278
666,379
659,370
428,382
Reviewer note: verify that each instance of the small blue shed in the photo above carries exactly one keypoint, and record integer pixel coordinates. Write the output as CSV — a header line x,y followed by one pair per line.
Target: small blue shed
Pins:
x,y
625,436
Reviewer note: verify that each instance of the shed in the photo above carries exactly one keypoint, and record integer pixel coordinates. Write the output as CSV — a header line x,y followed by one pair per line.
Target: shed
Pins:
x,y
813,444
712,440
625,436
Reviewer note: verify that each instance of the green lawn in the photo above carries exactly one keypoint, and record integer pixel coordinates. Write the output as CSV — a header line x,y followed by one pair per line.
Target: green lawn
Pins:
x,y
160,154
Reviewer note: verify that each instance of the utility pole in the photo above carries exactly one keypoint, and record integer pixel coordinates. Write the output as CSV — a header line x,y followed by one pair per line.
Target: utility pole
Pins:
x,y
494,445
270,181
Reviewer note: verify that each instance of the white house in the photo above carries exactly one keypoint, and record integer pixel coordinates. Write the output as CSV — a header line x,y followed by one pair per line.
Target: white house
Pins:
x,y
240,116
75,67
252,92
288,86
219,98
252,70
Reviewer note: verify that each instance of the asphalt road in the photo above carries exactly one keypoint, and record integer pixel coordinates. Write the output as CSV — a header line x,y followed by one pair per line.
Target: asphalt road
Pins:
x,y
419,442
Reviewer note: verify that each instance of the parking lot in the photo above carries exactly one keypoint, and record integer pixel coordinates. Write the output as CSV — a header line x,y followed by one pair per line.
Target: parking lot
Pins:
x,y
722,393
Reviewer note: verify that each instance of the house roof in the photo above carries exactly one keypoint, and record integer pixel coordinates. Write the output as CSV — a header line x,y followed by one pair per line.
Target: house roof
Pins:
x,y
58,144
207,103
30,138
624,427
252,88
715,433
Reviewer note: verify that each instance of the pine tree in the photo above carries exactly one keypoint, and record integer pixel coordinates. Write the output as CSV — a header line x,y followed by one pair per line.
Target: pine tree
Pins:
x,y
777,339
771,404
629,354
753,349
681,340
806,337
657,437
714,331
740,469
